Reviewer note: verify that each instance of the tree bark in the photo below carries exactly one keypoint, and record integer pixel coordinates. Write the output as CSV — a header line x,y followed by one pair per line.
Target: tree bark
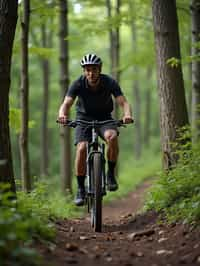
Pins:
x,y
136,93
114,35
147,122
8,21
195,17
25,168
44,132
173,111
64,82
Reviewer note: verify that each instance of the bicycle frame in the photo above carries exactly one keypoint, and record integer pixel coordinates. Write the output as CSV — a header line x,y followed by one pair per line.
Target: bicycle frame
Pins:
x,y
95,147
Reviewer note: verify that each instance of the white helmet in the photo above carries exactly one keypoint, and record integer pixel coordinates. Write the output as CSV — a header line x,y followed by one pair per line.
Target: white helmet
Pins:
x,y
91,59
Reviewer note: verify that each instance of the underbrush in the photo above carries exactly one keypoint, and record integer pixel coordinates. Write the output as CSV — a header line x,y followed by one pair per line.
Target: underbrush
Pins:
x,y
21,221
177,193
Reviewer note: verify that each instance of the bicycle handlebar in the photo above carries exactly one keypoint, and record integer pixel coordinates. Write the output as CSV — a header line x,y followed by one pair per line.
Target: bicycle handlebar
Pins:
x,y
74,123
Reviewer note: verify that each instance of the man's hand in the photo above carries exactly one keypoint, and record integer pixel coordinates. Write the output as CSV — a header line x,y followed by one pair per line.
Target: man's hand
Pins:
x,y
62,119
127,119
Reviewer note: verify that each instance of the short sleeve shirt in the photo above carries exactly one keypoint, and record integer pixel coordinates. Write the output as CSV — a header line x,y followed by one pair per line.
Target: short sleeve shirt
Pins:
x,y
94,104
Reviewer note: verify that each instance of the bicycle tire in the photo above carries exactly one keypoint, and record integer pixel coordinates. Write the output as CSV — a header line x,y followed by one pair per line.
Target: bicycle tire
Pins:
x,y
96,214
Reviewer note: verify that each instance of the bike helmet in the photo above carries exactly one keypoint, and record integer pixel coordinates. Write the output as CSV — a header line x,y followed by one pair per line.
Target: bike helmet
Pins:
x,y
91,59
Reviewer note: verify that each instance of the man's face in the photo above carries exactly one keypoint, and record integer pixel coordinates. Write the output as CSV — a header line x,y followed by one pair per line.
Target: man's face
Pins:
x,y
92,73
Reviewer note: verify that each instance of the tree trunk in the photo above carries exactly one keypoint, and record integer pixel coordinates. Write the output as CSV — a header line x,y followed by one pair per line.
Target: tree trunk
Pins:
x,y
64,82
44,133
173,111
25,168
114,46
8,21
147,122
136,94
195,16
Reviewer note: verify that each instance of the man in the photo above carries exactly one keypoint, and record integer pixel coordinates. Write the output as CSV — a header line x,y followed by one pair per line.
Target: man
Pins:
x,y
94,91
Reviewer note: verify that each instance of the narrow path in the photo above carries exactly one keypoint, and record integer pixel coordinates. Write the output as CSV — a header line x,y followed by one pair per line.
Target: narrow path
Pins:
x,y
127,239
128,205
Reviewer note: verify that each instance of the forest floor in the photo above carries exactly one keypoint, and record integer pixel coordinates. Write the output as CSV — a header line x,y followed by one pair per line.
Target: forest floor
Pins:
x,y
129,238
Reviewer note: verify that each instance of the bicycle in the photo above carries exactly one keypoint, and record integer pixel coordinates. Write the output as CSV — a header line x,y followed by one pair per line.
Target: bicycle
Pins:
x,y
95,173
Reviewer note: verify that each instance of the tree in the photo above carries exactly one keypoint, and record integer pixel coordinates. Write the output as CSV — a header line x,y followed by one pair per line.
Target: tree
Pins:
x,y
114,35
45,63
136,90
64,82
195,17
148,117
8,21
173,111
25,165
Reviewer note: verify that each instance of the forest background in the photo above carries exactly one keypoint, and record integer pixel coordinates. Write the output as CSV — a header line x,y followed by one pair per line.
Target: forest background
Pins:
x,y
56,34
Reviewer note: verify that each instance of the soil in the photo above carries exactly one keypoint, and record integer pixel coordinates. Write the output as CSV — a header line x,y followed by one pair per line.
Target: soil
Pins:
x,y
129,238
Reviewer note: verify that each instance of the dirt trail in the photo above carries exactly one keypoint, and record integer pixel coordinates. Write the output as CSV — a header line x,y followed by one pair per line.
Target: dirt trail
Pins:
x,y
128,239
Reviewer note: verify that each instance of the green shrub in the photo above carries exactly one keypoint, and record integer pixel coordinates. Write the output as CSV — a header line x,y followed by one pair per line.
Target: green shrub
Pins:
x,y
21,222
177,192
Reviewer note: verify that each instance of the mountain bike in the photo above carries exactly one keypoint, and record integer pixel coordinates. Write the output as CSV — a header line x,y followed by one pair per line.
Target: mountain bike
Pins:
x,y
95,173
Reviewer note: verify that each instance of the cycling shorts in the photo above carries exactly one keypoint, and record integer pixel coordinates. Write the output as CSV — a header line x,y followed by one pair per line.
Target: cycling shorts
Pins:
x,y
84,133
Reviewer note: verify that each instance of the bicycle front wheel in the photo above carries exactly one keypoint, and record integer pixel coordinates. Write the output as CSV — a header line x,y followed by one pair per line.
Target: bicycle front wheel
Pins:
x,y
97,186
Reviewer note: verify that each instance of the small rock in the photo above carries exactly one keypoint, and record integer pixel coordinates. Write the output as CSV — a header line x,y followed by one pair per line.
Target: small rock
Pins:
x,y
162,239
164,251
109,259
160,232
72,229
83,250
198,259
196,246
71,247
139,254
147,232
84,238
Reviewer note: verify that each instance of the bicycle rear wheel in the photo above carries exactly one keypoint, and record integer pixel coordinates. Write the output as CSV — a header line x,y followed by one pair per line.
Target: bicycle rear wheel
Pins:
x,y
96,211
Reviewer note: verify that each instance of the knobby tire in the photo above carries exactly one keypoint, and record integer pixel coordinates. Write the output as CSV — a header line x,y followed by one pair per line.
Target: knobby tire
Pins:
x,y
97,202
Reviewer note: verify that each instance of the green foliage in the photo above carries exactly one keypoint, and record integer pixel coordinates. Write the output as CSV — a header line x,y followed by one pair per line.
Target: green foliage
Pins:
x,y
15,120
177,192
21,220
42,52
173,62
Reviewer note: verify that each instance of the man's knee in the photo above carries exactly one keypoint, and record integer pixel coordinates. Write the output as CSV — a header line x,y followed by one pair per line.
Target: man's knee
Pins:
x,y
110,136
81,147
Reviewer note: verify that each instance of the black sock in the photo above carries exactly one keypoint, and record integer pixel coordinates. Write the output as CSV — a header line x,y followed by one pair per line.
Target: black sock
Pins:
x,y
111,168
81,181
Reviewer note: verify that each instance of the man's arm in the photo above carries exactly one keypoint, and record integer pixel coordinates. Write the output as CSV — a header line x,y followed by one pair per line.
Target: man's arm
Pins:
x,y
64,109
127,113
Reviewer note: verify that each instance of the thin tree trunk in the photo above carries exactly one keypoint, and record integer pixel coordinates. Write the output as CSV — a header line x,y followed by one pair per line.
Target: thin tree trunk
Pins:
x,y
25,168
44,135
136,95
114,35
64,82
195,15
147,122
8,21
173,110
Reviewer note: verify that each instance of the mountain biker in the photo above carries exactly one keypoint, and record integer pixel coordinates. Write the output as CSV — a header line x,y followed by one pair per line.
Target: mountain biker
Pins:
x,y
94,91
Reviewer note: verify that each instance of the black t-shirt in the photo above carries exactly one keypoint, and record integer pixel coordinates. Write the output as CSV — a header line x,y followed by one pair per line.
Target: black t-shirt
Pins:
x,y
96,104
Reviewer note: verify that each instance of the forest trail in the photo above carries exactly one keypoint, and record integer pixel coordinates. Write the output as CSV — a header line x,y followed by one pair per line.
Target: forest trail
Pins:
x,y
128,239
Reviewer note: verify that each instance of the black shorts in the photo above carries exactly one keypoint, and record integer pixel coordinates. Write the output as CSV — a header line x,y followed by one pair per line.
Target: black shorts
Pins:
x,y
84,133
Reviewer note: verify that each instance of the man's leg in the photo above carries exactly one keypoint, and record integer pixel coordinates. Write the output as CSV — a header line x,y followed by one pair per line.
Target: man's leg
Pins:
x,y
80,169
111,138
